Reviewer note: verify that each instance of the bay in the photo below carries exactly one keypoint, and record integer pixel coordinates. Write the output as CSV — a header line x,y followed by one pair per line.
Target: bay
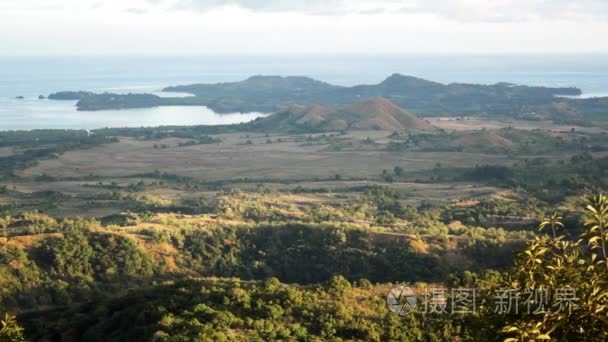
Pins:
x,y
33,76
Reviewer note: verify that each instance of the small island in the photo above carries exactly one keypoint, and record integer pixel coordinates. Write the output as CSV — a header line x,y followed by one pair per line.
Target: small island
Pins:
x,y
70,95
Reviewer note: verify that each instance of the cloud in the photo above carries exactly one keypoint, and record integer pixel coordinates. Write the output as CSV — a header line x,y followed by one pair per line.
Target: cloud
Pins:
x,y
136,11
480,11
459,10
511,10
301,27
307,7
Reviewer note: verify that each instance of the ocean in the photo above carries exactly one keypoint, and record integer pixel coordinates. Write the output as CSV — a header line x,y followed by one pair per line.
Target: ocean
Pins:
x,y
33,76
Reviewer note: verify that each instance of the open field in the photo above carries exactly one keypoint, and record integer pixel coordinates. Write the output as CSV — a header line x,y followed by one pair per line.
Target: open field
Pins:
x,y
477,123
289,163
232,159
6,152
330,169
77,195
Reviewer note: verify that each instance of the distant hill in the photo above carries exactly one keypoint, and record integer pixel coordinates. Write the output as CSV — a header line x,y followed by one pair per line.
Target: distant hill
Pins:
x,y
263,93
423,97
372,114
260,89
270,94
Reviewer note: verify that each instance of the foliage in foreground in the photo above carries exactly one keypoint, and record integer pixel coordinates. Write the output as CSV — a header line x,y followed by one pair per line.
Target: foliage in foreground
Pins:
x,y
10,331
558,289
233,309
576,270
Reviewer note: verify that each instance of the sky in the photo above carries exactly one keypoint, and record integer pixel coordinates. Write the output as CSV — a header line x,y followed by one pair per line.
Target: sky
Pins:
x,y
302,27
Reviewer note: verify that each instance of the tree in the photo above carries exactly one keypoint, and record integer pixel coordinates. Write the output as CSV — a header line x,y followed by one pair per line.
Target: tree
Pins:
x,y
10,331
398,170
559,267
554,222
597,224
4,223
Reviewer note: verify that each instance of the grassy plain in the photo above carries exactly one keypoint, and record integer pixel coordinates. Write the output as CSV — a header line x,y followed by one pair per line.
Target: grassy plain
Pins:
x,y
332,167
476,123
6,152
234,159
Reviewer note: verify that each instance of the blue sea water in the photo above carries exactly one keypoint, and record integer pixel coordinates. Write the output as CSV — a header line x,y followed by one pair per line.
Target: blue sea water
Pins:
x,y
33,76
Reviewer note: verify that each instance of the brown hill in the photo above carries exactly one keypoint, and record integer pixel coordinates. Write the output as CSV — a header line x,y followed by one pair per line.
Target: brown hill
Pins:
x,y
372,114
483,139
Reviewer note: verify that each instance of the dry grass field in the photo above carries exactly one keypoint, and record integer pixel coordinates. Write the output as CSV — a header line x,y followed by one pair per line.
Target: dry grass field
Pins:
x,y
328,168
232,159
77,195
288,163
6,152
477,123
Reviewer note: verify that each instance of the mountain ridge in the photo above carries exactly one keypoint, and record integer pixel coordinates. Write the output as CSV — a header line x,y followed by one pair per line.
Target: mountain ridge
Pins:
x,y
270,94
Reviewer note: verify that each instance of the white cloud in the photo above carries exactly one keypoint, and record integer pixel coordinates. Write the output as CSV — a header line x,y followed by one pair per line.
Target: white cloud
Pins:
x,y
215,27
515,10
462,10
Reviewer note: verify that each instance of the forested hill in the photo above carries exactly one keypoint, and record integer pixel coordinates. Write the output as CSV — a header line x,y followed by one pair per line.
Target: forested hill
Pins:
x,y
270,90
424,98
